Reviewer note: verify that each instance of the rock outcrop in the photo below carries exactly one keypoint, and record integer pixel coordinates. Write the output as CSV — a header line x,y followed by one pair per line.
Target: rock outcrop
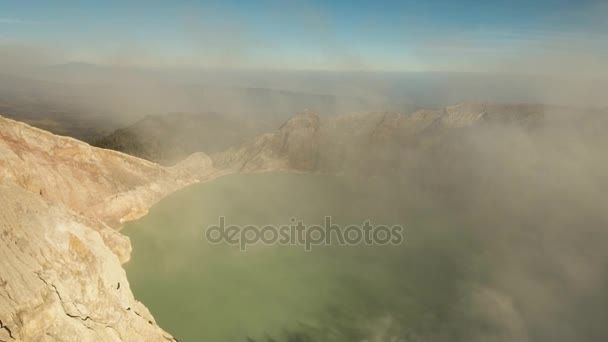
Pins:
x,y
96,183
59,281
61,201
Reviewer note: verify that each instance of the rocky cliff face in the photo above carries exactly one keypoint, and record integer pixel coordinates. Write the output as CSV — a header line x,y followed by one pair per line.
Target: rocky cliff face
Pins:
x,y
97,183
59,280
60,255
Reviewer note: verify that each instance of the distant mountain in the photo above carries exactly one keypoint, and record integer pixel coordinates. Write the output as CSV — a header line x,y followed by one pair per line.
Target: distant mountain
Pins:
x,y
61,108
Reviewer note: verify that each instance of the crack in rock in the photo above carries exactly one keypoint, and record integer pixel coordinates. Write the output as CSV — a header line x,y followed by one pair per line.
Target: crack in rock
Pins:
x,y
8,330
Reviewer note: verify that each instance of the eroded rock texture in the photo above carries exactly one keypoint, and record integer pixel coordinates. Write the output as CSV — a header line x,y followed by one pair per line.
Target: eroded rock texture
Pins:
x,y
60,255
59,281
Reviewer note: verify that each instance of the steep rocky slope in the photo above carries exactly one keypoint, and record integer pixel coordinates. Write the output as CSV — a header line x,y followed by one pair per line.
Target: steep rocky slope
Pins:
x,y
60,265
59,281
96,183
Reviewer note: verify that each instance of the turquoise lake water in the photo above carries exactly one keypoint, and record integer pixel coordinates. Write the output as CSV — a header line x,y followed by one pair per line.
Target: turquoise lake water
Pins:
x,y
199,291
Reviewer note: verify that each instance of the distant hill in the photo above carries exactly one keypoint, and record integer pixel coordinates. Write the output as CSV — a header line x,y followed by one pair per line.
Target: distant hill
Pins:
x,y
169,138
89,103
60,108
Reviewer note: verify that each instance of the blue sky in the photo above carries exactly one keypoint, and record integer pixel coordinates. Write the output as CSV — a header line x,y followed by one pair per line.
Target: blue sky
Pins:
x,y
335,35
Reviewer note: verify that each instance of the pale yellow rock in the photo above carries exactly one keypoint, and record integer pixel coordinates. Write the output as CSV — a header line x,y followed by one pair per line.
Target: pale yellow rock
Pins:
x,y
60,255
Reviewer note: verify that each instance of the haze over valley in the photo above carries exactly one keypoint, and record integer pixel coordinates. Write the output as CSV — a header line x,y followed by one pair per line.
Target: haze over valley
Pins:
x,y
304,171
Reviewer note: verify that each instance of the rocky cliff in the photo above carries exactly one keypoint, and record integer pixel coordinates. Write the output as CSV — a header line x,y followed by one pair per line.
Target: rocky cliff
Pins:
x,y
61,201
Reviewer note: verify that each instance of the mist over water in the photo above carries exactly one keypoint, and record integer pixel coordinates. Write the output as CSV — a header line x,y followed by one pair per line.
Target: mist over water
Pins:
x,y
504,241
198,291
505,210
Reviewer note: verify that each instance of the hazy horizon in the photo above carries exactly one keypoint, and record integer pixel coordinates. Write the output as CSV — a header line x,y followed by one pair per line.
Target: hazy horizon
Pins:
x,y
541,37
391,55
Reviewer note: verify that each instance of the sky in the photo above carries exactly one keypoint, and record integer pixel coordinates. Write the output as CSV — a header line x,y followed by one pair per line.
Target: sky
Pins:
x,y
314,35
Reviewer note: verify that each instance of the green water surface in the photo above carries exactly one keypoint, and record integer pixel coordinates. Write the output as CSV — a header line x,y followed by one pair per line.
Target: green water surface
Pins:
x,y
203,292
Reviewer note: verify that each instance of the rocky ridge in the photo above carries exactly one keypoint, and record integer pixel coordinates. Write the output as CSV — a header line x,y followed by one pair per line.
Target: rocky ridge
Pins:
x,y
307,143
